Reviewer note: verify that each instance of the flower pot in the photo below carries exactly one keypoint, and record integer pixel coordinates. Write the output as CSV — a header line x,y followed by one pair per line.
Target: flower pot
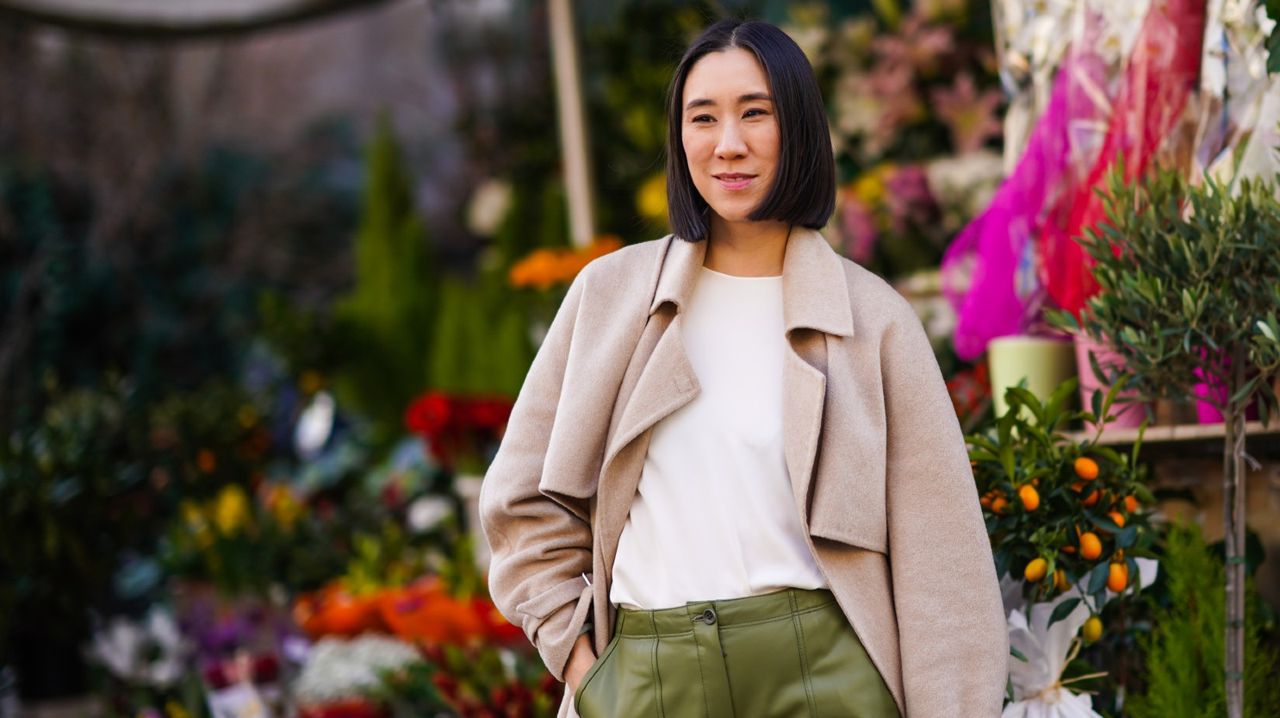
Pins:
x,y
1128,411
1044,362
1212,388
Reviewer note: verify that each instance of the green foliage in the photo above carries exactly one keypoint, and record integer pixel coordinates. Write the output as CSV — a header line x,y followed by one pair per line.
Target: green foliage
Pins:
x,y
1028,447
1184,650
1188,279
387,317
482,342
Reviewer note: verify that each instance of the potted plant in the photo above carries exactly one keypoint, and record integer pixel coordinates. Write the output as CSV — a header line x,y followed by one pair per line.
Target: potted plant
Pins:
x,y
1189,281
1069,533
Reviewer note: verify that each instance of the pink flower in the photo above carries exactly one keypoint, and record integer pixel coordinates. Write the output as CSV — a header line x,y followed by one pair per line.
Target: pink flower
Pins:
x,y
919,47
858,227
970,116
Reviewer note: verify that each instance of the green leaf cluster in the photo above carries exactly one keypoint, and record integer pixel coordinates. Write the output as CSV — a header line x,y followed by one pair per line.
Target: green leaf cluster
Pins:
x,y
1189,282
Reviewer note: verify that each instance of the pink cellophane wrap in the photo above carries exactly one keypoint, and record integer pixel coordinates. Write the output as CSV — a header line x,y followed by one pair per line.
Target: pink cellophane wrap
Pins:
x,y
988,271
1159,76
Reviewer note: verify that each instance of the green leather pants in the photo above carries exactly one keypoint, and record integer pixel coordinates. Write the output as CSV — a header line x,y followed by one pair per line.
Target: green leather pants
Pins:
x,y
782,654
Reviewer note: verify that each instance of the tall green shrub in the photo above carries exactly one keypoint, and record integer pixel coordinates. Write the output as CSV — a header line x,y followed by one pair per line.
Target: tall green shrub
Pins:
x,y
387,317
1185,647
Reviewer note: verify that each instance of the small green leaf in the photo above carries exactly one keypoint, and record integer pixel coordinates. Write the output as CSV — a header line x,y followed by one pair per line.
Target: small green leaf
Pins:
x,y
1062,610
1104,523
1097,578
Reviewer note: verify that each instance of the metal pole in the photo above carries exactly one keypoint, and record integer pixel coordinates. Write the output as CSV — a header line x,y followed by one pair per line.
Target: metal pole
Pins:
x,y
573,128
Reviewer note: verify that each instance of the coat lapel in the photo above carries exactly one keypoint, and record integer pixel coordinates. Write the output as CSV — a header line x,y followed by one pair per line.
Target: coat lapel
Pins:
x,y
815,299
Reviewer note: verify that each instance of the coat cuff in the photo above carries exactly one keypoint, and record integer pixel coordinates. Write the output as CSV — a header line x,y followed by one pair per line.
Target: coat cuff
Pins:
x,y
555,635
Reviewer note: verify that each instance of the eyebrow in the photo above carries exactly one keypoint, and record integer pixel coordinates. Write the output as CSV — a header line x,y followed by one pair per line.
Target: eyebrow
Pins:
x,y
702,102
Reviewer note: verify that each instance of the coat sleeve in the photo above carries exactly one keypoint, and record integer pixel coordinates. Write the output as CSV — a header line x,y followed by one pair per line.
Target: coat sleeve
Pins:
x,y
951,625
540,542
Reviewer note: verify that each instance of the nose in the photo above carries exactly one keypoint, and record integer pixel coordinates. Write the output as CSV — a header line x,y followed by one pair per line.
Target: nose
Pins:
x,y
730,145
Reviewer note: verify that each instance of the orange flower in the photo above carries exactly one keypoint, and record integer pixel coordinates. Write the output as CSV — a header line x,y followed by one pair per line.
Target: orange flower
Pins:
x,y
545,268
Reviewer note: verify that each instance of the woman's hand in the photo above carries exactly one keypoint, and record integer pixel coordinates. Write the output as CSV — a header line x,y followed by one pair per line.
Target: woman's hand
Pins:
x,y
581,658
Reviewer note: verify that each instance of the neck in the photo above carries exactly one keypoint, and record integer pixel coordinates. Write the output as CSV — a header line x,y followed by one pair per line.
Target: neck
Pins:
x,y
746,249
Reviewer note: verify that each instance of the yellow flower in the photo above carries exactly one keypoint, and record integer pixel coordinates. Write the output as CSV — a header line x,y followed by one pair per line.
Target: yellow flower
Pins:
x,y
651,198
247,416
174,709
196,523
869,188
230,509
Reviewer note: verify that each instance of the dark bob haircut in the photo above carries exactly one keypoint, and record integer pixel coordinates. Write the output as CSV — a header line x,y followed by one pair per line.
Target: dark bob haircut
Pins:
x,y
804,188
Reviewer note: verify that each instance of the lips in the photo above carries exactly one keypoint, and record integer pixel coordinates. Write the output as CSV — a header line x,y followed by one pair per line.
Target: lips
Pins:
x,y
734,180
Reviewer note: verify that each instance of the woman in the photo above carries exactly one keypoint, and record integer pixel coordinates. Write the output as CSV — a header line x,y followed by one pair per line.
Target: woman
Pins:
x,y
734,473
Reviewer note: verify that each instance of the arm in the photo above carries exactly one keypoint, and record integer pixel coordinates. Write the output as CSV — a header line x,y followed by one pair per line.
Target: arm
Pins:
x,y
951,625
541,544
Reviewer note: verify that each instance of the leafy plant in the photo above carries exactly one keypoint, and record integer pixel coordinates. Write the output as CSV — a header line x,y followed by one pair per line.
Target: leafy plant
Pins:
x,y
1060,511
1188,279
1184,649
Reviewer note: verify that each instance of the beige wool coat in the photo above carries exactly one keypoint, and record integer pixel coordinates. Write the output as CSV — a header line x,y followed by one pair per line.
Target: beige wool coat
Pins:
x,y
874,452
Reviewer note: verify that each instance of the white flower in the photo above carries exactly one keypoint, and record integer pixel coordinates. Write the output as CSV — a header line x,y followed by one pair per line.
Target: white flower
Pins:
x,y
315,426
150,652
489,206
337,668
426,512
967,181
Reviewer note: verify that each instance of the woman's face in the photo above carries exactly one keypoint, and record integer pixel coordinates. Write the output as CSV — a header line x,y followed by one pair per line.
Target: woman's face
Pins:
x,y
730,132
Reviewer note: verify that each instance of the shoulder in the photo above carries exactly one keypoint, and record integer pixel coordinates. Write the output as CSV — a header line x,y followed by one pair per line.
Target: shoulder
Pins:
x,y
878,308
628,259
631,271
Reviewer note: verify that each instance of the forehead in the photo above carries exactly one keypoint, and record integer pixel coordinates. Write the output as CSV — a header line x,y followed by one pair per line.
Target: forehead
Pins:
x,y
727,73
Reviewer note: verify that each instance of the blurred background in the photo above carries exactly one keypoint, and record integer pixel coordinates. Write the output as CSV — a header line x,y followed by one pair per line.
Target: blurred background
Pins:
x,y
271,274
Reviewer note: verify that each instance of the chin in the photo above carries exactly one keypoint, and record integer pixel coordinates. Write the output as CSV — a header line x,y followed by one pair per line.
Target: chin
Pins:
x,y
734,213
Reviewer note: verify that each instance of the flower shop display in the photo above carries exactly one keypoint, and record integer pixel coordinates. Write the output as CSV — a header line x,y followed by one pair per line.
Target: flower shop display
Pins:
x,y
1070,537
1190,279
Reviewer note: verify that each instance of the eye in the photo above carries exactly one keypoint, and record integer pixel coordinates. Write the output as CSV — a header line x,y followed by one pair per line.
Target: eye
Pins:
x,y
702,118
755,112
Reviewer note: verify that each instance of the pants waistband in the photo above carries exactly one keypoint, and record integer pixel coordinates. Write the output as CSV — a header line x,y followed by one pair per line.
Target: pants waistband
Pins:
x,y
727,612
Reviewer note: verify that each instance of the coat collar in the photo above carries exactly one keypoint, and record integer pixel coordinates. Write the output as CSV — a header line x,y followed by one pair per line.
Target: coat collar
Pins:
x,y
814,289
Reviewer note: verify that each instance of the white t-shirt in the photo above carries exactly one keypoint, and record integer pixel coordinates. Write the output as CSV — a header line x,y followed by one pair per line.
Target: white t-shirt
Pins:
x,y
714,516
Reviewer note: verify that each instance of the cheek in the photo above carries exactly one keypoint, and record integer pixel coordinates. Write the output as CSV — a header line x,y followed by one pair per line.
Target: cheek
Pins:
x,y
767,144
694,146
